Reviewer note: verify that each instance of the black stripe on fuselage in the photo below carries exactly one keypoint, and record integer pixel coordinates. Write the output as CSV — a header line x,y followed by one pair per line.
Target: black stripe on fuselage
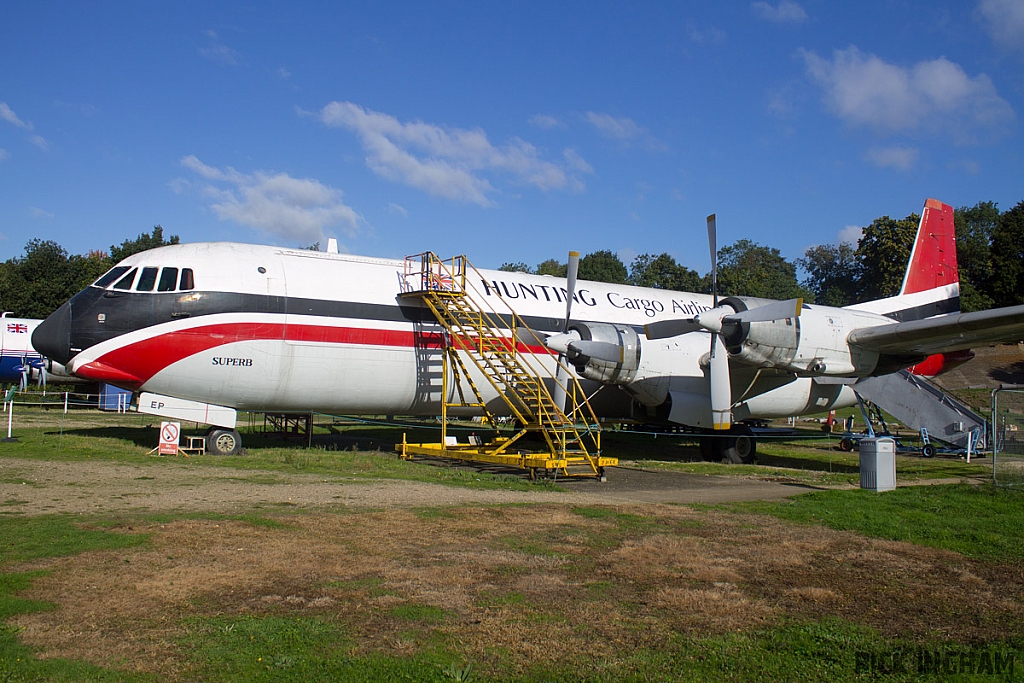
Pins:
x,y
99,315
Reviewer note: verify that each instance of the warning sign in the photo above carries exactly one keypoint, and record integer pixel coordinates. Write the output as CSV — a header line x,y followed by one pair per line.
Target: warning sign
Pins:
x,y
170,433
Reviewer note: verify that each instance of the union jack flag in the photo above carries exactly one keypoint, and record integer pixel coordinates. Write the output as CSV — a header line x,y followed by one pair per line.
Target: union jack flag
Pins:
x,y
17,327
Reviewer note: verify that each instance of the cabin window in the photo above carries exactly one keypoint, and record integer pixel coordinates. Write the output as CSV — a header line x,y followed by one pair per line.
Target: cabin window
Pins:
x,y
187,282
110,276
168,279
147,280
126,281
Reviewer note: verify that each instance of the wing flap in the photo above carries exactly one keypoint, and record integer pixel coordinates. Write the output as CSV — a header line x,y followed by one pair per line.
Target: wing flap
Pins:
x,y
943,334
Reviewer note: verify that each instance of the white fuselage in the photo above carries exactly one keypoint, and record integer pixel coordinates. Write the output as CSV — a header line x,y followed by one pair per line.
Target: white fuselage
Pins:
x,y
271,329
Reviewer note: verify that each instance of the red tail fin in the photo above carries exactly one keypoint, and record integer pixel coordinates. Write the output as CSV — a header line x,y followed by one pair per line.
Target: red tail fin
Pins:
x,y
933,258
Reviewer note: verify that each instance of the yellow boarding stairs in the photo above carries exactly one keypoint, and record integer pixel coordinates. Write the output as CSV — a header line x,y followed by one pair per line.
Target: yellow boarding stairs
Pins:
x,y
477,335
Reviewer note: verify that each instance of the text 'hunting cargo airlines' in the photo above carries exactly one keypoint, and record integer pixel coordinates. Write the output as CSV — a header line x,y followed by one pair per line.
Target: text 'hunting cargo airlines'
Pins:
x,y
234,326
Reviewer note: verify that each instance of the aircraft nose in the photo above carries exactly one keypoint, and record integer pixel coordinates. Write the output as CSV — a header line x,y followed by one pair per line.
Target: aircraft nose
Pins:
x,y
52,337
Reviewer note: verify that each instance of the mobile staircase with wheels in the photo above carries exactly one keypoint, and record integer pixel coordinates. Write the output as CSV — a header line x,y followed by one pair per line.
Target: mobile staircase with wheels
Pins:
x,y
549,439
920,404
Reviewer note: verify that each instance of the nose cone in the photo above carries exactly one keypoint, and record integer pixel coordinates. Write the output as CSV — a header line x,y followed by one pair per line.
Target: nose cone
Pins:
x,y
52,337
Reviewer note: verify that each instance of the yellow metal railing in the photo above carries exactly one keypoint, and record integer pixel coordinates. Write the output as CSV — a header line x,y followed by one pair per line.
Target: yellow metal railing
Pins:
x,y
493,340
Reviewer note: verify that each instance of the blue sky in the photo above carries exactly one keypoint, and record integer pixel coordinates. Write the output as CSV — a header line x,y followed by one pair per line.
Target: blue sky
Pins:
x,y
511,131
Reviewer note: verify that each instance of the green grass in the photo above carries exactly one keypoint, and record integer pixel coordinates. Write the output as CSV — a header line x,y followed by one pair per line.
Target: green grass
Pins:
x,y
976,521
129,438
36,538
29,538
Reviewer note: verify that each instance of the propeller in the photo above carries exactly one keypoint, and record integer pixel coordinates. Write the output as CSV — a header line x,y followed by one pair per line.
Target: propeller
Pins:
x,y
24,368
40,366
715,320
561,378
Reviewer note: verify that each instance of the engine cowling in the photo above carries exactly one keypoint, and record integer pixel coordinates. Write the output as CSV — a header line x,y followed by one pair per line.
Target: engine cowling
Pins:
x,y
620,370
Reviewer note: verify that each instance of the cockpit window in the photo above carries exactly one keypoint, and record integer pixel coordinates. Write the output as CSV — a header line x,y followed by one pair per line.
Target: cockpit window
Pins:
x,y
187,282
111,275
168,278
146,280
126,281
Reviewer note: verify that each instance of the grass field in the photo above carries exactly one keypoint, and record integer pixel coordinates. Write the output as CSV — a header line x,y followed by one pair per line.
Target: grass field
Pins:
x,y
922,583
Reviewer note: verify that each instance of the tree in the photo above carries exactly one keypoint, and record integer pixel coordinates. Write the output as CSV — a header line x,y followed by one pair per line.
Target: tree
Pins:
x,y
517,267
603,266
662,272
749,269
36,284
1008,258
833,273
974,229
142,243
552,267
884,252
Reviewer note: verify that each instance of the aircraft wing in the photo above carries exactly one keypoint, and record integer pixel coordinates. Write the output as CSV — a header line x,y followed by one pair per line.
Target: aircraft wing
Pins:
x,y
943,334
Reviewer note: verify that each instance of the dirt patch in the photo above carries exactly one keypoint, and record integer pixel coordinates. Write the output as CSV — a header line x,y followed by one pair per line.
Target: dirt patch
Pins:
x,y
32,487
538,581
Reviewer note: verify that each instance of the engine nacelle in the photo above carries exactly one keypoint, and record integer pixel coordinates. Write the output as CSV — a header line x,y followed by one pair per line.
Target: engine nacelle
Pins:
x,y
811,345
621,371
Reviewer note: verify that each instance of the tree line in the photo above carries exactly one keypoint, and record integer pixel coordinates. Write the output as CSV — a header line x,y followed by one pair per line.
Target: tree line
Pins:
x,y
990,255
36,284
989,248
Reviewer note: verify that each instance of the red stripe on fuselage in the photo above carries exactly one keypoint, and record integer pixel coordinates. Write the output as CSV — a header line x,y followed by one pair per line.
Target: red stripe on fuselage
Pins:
x,y
134,364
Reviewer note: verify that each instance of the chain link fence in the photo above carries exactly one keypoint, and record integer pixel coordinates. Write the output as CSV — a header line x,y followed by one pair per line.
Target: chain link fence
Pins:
x,y
1008,430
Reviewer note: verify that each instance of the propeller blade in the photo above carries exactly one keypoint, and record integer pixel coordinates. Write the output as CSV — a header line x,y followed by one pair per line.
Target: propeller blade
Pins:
x,y
598,350
775,311
570,285
713,245
721,388
561,376
670,328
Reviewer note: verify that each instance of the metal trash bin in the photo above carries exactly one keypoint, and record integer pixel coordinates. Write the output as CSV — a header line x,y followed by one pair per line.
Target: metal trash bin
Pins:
x,y
878,463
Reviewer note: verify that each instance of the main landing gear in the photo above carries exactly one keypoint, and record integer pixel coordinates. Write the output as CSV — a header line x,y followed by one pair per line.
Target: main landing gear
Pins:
x,y
737,445
220,441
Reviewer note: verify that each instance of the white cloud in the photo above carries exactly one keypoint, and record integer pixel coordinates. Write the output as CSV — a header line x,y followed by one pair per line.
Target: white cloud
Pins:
x,y
787,12
546,122
931,96
217,51
298,209
37,213
283,73
397,209
900,158
705,36
444,162
1004,20
619,128
575,161
8,115
851,234
3,154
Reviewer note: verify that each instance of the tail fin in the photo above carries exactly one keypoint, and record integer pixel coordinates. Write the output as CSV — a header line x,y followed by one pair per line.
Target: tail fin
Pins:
x,y
933,257
931,285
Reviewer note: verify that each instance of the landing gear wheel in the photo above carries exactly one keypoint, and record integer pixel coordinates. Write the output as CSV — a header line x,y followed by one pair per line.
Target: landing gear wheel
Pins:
x,y
223,442
928,450
846,444
740,449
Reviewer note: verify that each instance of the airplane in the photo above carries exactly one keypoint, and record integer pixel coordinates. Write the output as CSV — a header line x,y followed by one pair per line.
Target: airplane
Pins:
x,y
19,362
220,327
